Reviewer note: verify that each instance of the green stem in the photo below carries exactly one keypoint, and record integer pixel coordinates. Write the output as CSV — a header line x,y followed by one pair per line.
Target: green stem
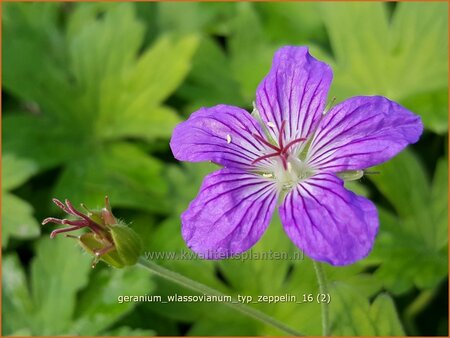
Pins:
x,y
413,309
321,280
203,289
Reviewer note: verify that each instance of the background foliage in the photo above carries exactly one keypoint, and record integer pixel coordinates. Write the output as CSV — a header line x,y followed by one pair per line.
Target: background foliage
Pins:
x,y
91,93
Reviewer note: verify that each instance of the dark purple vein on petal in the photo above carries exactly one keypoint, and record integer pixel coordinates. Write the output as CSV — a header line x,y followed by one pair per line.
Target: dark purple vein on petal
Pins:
x,y
303,117
237,188
235,131
224,141
254,219
331,214
313,117
324,151
318,146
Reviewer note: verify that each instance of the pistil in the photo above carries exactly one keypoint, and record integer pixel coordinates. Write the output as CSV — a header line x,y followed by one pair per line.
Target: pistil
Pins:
x,y
281,150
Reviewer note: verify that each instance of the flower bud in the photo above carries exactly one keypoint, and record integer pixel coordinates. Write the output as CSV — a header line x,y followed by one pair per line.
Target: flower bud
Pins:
x,y
108,239
128,244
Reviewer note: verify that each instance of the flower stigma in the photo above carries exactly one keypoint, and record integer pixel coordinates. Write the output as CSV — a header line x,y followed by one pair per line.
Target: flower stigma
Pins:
x,y
288,168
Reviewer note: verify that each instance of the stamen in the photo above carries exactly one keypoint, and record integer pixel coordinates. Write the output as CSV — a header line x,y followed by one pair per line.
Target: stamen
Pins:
x,y
61,205
78,223
52,220
94,226
262,140
281,150
290,144
85,220
59,231
265,157
85,208
228,138
271,125
74,212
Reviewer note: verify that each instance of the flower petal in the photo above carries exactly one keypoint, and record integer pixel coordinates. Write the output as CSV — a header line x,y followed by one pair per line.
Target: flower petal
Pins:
x,y
230,213
222,134
295,90
361,132
328,222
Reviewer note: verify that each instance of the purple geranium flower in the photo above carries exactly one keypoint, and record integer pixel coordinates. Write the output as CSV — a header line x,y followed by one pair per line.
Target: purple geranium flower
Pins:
x,y
289,152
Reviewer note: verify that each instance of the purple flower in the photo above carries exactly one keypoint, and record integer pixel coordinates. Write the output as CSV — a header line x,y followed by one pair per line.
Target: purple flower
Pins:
x,y
288,153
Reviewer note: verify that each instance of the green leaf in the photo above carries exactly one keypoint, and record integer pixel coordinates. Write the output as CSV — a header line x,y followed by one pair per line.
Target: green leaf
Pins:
x,y
121,171
251,54
181,17
86,13
17,216
439,196
15,297
292,23
101,51
418,233
125,331
395,180
349,312
15,171
352,315
210,81
147,123
420,38
23,135
385,317
17,219
432,106
213,18
30,29
98,306
399,59
98,85
58,272
161,68
238,326
130,108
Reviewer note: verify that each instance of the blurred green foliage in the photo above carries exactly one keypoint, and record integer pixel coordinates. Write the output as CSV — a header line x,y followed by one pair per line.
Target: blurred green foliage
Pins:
x,y
91,93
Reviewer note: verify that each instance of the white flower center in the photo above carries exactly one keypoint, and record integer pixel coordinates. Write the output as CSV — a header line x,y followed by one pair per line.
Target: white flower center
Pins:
x,y
296,171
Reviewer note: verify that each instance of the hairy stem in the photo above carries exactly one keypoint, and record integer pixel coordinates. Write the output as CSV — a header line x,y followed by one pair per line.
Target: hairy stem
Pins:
x,y
201,288
323,289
